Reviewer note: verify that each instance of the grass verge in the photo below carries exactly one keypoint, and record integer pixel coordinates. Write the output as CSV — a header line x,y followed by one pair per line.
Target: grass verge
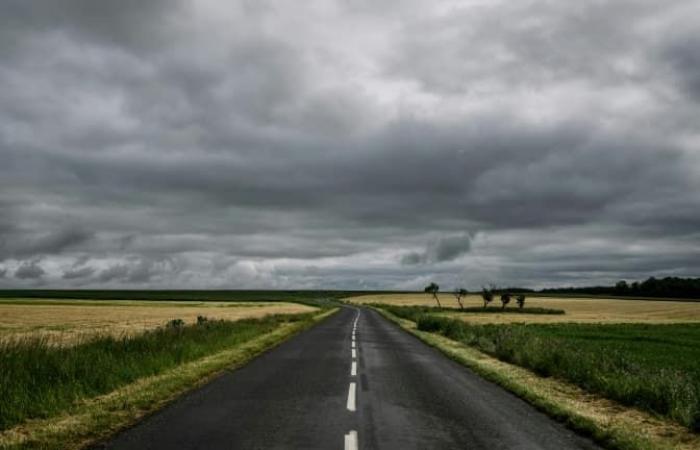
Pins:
x,y
90,419
653,367
414,312
609,423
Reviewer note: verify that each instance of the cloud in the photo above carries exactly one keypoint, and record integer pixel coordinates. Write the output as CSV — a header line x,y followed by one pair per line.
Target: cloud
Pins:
x,y
115,272
134,270
445,249
30,270
15,243
254,145
80,272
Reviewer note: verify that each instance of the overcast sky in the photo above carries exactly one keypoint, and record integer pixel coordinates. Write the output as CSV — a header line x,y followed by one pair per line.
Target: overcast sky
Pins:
x,y
348,144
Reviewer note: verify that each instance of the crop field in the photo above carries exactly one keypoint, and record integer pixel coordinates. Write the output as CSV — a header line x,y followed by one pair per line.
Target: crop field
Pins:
x,y
63,357
646,359
582,310
650,366
39,380
68,322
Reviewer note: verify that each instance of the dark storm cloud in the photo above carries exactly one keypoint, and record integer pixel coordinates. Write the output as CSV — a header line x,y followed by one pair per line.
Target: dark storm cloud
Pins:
x,y
682,56
116,272
79,272
30,270
14,243
126,23
444,249
137,270
254,144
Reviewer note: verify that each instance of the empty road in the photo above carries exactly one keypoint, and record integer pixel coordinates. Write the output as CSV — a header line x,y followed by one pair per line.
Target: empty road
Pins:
x,y
353,381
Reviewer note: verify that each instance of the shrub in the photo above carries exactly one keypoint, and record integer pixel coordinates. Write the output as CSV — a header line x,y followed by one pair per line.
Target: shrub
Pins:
x,y
175,324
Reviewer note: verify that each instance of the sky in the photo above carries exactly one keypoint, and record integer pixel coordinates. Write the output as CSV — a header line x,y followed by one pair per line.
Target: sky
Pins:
x,y
345,144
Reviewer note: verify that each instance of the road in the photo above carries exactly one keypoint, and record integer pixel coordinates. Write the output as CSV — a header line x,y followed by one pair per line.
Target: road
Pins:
x,y
353,381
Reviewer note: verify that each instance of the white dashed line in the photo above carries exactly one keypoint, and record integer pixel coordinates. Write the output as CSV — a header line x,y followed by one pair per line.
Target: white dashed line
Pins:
x,y
351,436
351,440
351,397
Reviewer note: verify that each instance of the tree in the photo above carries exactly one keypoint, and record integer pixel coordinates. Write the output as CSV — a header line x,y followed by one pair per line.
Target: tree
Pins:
x,y
433,289
505,299
520,299
487,295
460,293
621,287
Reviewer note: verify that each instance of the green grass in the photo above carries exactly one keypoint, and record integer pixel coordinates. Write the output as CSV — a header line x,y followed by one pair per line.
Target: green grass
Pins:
x,y
38,380
653,367
413,313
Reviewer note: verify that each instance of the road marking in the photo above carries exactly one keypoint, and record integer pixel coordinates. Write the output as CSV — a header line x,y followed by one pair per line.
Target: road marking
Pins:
x,y
353,344
353,369
351,440
354,354
351,397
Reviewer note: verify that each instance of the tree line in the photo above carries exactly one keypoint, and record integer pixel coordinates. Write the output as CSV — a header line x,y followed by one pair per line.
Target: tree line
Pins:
x,y
668,287
487,295
672,287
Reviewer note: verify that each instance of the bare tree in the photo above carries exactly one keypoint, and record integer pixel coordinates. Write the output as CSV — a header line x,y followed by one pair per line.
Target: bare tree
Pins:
x,y
487,296
505,299
433,289
459,294
520,299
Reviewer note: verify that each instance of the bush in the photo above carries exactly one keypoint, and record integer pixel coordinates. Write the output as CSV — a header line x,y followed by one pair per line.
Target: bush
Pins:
x,y
175,324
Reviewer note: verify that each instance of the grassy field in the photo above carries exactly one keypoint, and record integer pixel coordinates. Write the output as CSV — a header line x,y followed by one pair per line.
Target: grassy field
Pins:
x,y
583,310
166,363
68,357
39,380
655,367
72,321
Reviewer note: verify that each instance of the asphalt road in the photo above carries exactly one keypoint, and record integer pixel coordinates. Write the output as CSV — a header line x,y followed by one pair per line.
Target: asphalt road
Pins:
x,y
308,394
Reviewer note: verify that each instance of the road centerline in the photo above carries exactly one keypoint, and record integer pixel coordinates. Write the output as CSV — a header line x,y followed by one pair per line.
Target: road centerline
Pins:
x,y
351,440
352,392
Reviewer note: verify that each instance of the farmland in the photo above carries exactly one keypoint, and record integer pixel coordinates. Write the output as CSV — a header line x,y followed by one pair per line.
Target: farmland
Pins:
x,y
581,310
71,321
640,353
65,359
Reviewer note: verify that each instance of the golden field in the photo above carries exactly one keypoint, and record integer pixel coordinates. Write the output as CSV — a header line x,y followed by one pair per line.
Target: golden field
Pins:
x,y
66,322
588,310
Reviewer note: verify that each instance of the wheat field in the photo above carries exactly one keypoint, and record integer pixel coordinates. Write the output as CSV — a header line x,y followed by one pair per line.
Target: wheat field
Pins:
x,y
67,322
586,310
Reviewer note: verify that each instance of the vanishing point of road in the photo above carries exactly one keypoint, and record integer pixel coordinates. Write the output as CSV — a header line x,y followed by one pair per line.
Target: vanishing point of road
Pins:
x,y
354,381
